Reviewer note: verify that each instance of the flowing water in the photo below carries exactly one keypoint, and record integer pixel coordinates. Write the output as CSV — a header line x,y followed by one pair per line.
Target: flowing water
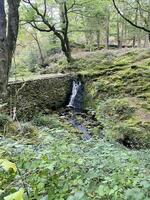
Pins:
x,y
76,105
76,98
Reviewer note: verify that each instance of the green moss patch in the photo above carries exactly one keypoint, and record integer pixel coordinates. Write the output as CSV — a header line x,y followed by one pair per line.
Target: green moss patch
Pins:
x,y
113,89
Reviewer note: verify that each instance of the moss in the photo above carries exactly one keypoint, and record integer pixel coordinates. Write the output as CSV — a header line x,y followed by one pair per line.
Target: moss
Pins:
x,y
121,122
125,59
19,130
115,110
143,54
136,133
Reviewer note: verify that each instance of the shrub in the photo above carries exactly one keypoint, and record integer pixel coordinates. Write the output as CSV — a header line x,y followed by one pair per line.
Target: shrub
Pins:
x,y
45,120
28,130
4,119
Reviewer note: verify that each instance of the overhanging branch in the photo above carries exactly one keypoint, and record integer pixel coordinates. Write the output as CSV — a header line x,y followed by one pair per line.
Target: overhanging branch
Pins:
x,y
128,20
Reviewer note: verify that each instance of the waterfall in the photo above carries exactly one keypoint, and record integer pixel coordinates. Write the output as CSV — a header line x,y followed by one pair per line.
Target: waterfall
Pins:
x,y
76,98
75,104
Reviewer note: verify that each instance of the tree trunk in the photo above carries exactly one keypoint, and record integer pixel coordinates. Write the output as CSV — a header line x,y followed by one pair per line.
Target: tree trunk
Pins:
x,y
13,26
40,52
122,34
98,39
134,42
8,39
35,37
118,33
146,40
125,33
3,50
66,49
136,22
107,31
139,39
65,43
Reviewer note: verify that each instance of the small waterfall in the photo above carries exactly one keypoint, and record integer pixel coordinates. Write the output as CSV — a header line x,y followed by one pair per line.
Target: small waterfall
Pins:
x,y
75,104
76,99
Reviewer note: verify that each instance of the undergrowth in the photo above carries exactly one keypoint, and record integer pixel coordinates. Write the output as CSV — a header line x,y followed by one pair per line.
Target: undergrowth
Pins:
x,y
58,165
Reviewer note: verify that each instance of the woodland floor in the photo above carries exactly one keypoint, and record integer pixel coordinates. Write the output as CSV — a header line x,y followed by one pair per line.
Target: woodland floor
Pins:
x,y
54,163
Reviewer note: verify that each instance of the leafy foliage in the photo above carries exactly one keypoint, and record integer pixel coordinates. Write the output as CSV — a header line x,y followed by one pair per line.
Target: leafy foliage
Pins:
x,y
61,166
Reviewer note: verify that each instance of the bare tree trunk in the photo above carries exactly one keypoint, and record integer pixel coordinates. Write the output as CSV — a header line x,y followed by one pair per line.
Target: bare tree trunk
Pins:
x,y
35,37
148,23
107,31
65,43
66,49
98,33
134,42
98,39
118,33
146,40
125,33
8,39
122,33
13,26
136,22
139,38
3,51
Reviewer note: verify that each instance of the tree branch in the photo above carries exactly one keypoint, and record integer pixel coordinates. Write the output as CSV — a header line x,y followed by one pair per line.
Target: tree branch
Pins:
x,y
128,20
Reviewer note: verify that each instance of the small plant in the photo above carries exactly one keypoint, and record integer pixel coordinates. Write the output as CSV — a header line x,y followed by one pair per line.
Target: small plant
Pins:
x,y
46,120
28,130
4,119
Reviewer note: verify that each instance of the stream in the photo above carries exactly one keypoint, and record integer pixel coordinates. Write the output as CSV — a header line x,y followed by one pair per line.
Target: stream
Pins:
x,y
75,106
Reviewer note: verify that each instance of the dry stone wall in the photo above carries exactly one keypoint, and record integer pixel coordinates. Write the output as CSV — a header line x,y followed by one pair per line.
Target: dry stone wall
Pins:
x,y
39,95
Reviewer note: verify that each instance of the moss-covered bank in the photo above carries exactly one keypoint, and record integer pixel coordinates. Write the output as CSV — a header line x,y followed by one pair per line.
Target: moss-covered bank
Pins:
x,y
118,90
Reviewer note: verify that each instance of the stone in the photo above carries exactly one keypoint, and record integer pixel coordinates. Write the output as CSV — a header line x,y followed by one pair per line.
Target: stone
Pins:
x,y
44,92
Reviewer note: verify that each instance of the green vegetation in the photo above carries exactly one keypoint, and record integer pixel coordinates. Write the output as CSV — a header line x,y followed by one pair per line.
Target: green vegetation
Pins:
x,y
4,119
49,151
58,165
54,163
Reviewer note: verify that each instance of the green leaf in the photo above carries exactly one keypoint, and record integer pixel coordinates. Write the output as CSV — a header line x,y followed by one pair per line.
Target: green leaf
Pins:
x,y
7,165
1,191
103,190
77,196
15,196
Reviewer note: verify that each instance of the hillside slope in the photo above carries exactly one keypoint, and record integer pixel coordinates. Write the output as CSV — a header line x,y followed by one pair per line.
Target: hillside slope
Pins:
x,y
118,89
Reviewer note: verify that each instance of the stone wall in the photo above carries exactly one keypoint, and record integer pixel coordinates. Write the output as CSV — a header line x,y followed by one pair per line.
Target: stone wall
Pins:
x,y
44,93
